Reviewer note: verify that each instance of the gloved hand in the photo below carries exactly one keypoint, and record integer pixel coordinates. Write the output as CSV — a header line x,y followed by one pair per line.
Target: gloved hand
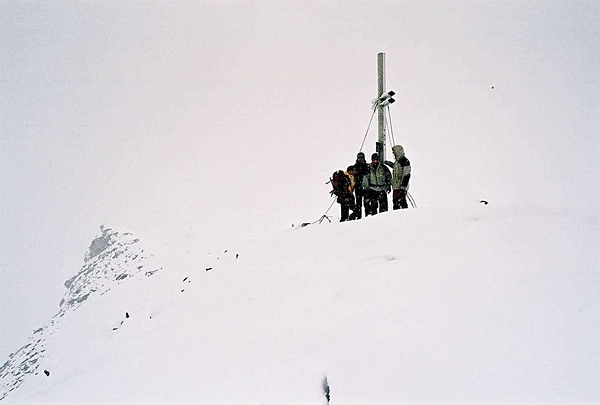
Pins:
x,y
388,189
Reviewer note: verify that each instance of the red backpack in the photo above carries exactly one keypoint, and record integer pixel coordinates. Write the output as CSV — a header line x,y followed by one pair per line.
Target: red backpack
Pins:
x,y
340,183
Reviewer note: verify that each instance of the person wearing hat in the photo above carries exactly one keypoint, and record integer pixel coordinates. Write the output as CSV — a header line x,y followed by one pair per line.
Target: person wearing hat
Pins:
x,y
400,177
376,184
361,169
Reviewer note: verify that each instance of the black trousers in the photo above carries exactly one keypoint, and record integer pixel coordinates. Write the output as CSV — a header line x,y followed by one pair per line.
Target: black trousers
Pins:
x,y
374,201
346,204
360,194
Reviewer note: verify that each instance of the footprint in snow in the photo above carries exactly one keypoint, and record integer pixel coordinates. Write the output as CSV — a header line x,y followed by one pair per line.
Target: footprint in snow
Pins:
x,y
387,258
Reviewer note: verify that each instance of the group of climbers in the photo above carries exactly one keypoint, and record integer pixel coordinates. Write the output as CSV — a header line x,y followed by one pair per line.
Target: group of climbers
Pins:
x,y
370,184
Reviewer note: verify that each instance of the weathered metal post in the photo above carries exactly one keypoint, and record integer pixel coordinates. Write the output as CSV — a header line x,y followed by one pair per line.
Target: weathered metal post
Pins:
x,y
380,145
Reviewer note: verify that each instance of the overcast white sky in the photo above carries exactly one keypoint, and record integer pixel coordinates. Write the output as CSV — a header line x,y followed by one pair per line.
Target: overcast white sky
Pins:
x,y
231,115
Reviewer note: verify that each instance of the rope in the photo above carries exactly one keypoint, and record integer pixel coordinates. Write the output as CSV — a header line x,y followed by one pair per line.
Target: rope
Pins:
x,y
411,200
368,127
389,113
330,205
324,216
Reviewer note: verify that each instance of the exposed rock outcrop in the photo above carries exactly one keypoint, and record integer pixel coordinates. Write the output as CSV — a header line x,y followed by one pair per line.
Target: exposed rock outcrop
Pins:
x,y
112,257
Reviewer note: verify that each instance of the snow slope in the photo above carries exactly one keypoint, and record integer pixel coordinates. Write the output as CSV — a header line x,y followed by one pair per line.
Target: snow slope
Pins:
x,y
461,304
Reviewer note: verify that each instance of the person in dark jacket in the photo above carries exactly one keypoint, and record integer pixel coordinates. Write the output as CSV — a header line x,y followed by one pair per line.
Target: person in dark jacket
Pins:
x,y
361,168
377,184
400,177
343,187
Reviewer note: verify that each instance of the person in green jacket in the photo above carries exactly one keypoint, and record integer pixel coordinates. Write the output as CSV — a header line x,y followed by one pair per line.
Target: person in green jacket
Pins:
x,y
400,177
376,184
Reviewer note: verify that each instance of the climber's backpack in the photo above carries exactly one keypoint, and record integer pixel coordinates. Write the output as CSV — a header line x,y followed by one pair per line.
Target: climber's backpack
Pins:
x,y
340,183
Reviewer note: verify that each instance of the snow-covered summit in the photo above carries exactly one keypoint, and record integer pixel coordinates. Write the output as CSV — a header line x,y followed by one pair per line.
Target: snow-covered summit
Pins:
x,y
112,257
470,304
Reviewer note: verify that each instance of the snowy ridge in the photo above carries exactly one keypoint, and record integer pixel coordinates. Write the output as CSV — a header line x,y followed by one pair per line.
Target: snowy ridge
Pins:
x,y
112,257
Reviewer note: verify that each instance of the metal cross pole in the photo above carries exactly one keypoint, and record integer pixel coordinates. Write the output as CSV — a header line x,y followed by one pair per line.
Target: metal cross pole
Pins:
x,y
380,145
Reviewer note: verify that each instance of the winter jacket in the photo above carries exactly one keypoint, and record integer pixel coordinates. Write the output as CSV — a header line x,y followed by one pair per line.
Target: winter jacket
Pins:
x,y
360,171
352,182
379,178
401,169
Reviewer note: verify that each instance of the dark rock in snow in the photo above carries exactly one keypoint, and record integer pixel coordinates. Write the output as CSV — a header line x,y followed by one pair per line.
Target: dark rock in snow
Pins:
x,y
326,389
